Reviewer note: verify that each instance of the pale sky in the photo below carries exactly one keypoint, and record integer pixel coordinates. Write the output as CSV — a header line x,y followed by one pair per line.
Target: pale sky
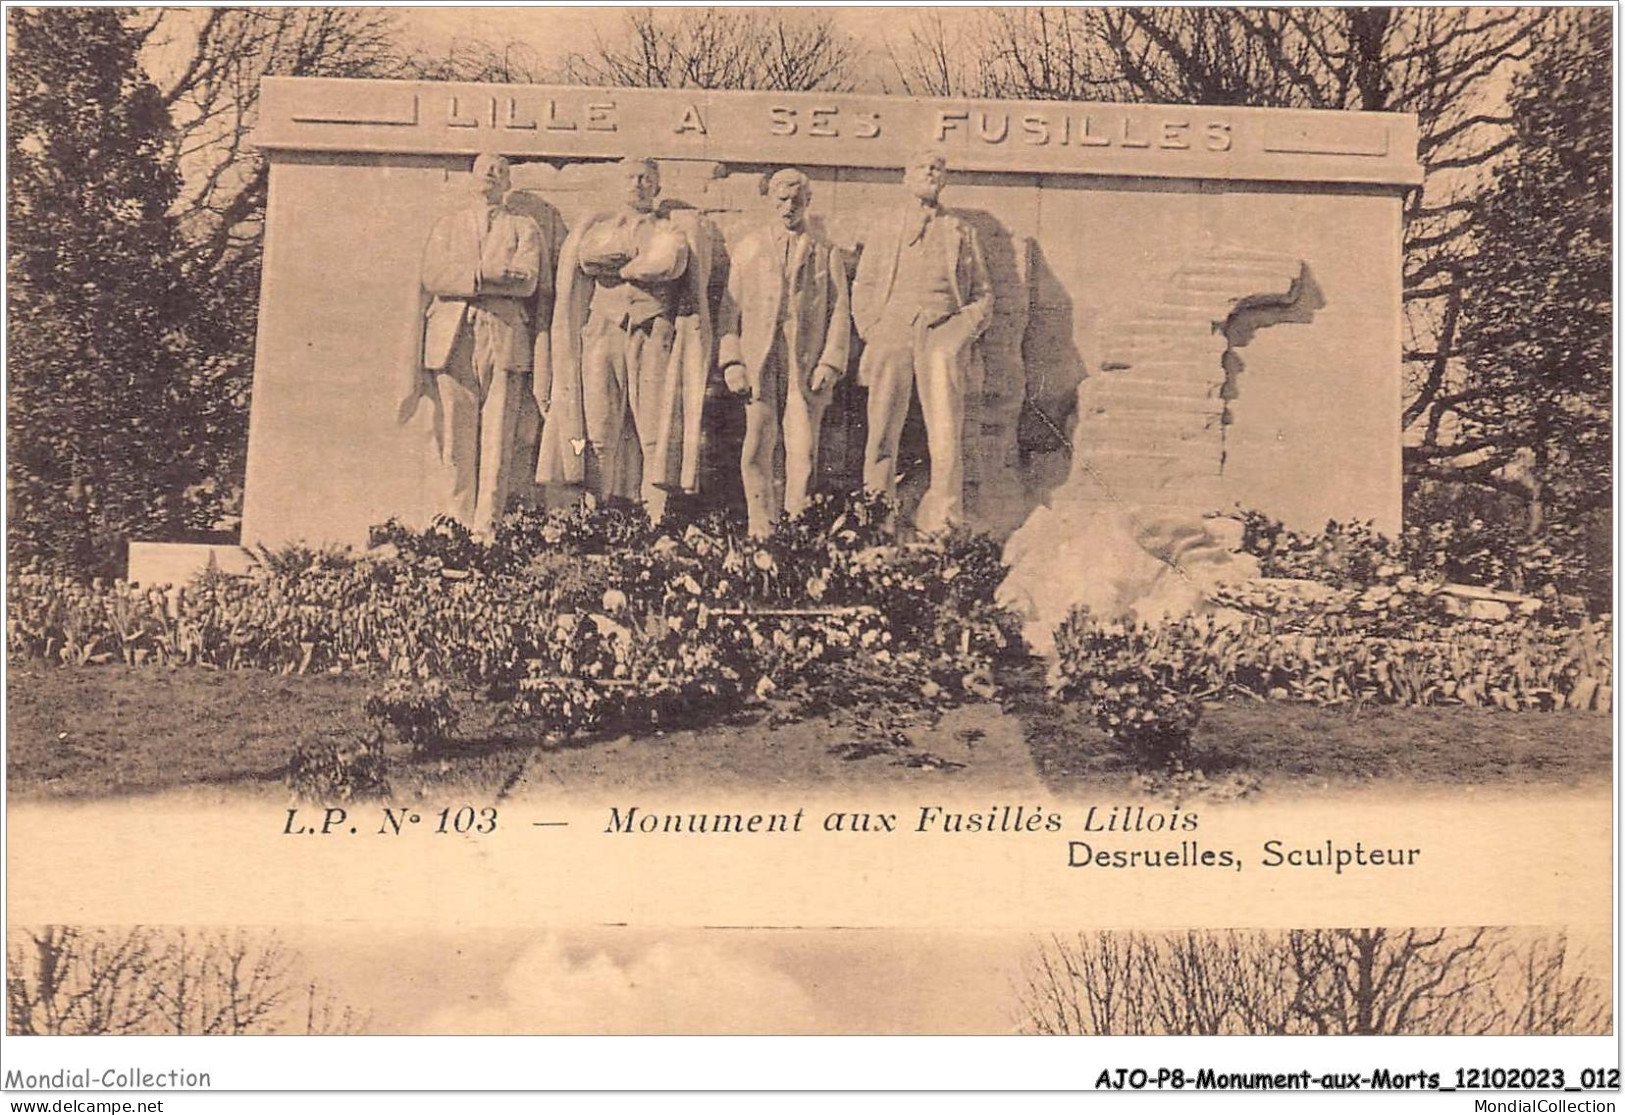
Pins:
x,y
553,32
622,980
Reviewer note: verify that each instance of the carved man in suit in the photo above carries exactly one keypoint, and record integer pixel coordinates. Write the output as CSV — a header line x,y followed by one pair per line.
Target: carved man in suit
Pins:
x,y
920,301
483,268
784,331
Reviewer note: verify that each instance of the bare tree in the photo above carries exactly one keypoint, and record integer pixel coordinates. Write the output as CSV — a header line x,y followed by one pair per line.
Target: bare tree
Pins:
x,y
721,48
72,980
936,57
1081,988
1194,982
1379,981
63,980
207,64
1552,994
477,59
1340,981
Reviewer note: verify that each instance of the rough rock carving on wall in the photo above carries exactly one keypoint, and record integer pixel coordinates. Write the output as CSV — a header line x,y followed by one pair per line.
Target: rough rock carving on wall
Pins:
x,y
1135,530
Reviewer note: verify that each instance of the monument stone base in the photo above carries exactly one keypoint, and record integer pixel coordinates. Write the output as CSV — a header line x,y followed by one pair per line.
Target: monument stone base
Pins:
x,y
177,563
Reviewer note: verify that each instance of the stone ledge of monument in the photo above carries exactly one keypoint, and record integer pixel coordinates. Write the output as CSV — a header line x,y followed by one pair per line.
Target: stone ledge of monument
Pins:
x,y
1164,452
1477,602
1188,374
1192,338
1145,413
1154,460
1147,380
1239,253
179,563
1168,305
1471,601
1165,343
1228,270
1220,301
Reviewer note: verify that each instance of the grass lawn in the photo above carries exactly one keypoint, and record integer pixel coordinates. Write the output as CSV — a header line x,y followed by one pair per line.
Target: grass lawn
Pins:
x,y
1292,746
108,730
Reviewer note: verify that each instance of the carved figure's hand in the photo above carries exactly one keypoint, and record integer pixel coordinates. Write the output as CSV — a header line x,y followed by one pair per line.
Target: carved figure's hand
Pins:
x,y
629,262
734,376
607,266
823,376
954,331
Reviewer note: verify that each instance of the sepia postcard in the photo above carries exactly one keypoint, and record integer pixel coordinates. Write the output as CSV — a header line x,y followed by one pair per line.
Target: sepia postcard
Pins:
x,y
609,522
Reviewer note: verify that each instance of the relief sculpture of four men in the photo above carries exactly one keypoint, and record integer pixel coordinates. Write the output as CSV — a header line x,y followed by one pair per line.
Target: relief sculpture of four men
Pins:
x,y
591,372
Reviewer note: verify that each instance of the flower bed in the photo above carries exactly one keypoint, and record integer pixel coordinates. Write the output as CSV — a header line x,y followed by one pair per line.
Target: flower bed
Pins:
x,y
576,618
593,619
1342,617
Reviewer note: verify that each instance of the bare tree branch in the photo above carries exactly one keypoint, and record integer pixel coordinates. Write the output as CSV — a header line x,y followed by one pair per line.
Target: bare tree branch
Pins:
x,y
68,980
1321,981
716,48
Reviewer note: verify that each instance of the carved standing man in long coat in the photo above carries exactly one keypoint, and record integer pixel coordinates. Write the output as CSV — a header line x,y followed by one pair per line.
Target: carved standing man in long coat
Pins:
x,y
632,347
783,336
920,300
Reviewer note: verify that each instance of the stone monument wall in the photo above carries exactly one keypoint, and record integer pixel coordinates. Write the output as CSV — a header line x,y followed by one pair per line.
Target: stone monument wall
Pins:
x,y
1195,307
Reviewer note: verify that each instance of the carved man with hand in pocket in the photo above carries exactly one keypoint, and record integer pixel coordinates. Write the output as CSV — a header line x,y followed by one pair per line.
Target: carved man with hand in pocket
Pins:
x,y
921,300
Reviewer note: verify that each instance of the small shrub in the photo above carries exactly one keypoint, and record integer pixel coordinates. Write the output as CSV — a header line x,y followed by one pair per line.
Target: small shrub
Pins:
x,y
325,770
1180,785
1451,543
586,527
1143,685
566,705
446,544
1342,555
1481,537
420,713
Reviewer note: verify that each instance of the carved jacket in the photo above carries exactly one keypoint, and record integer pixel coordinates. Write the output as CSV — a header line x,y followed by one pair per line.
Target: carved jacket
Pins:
x,y
464,263
972,290
806,294
675,460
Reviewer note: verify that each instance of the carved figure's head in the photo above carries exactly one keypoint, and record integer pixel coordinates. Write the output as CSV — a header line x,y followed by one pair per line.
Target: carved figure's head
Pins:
x,y
790,192
638,182
925,175
492,176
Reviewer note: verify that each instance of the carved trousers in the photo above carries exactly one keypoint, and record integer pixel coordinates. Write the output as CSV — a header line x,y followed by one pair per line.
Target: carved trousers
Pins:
x,y
933,360
480,392
779,414
624,368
